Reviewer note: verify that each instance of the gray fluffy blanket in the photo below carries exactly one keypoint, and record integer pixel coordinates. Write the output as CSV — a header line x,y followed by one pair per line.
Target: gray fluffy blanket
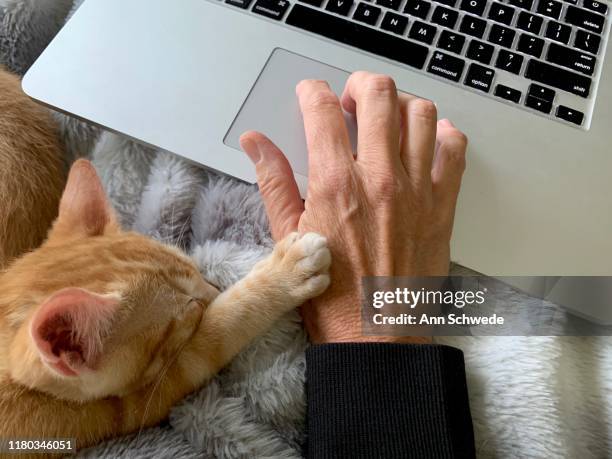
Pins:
x,y
542,397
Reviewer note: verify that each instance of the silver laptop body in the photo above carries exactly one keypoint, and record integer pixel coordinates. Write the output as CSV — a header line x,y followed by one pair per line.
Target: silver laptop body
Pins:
x,y
189,77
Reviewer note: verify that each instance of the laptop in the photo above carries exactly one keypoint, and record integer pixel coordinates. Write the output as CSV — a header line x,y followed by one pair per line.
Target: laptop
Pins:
x,y
527,80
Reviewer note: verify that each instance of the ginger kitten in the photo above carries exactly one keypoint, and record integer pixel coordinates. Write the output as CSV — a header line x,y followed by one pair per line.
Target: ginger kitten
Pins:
x,y
32,174
102,331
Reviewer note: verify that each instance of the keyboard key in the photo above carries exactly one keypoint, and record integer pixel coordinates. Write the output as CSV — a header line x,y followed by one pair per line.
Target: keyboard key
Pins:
x,y
273,9
570,58
531,45
501,35
394,23
317,3
446,66
444,17
509,61
513,95
558,78
423,32
450,3
476,7
501,13
525,4
479,77
540,92
418,8
585,19
550,8
538,104
587,41
473,26
393,4
558,32
593,5
479,51
244,4
339,6
366,13
529,22
451,41
569,114
359,36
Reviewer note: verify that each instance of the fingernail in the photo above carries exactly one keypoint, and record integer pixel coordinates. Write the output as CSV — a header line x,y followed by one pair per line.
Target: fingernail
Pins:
x,y
251,148
445,122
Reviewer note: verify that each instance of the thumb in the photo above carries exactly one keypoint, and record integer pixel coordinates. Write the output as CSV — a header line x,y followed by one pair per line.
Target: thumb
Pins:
x,y
277,185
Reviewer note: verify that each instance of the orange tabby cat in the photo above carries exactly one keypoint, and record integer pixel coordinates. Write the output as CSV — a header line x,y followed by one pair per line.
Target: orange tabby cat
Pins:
x,y
102,331
31,171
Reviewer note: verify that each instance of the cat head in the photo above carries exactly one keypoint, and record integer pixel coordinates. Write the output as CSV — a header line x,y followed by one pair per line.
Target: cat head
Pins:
x,y
97,311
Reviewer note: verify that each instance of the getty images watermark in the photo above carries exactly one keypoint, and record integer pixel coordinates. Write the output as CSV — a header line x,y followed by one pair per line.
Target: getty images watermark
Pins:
x,y
474,305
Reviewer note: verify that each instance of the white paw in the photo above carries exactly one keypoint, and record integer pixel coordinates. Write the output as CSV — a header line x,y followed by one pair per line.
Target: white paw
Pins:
x,y
307,260
314,252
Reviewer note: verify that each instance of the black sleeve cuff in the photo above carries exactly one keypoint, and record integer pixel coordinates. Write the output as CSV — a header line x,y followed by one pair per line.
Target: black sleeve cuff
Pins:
x,y
387,401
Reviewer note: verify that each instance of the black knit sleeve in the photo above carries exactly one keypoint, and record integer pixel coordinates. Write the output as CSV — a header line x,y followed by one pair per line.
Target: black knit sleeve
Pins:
x,y
379,400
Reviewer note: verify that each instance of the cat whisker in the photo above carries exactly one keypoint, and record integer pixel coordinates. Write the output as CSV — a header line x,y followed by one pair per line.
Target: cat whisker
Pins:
x,y
162,375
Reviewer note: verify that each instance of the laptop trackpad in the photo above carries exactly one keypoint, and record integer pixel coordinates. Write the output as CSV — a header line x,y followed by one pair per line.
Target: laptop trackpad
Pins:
x,y
272,107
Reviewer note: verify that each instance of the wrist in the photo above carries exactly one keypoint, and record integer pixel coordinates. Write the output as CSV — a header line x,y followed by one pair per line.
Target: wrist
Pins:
x,y
338,320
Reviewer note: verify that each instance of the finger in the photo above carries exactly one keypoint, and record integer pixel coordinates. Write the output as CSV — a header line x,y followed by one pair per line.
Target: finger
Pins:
x,y
418,137
329,147
373,100
276,182
449,165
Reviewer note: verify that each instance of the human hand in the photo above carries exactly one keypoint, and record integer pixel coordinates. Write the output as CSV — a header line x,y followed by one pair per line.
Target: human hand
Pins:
x,y
386,210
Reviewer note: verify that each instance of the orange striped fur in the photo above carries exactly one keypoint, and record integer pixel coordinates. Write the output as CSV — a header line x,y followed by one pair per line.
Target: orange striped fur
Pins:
x,y
130,326
31,170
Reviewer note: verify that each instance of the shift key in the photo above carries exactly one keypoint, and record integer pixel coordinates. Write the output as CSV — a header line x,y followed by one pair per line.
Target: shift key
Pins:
x,y
446,66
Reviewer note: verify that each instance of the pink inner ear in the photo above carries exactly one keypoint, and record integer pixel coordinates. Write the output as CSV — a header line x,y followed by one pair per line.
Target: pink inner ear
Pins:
x,y
84,207
69,328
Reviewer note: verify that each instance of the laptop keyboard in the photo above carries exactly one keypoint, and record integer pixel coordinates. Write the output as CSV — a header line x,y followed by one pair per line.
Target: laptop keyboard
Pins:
x,y
543,56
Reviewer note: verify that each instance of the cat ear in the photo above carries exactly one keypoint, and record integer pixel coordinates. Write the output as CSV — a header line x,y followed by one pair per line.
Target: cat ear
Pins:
x,y
70,327
84,208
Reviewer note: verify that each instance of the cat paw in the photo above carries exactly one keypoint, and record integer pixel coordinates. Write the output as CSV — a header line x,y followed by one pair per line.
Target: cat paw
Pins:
x,y
306,260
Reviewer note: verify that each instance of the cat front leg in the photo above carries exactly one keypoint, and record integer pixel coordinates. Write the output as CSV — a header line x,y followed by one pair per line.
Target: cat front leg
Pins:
x,y
296,271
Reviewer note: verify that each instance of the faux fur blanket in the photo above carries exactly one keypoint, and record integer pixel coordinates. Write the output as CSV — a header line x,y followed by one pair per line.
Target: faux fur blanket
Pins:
x,y
542,397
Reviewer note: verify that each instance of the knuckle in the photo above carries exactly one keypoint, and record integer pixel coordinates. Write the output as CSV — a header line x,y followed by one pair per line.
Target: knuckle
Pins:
x,y
380,84
459,138
360,75
270,182
322,100
386,186
456,146
331,183
423,108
